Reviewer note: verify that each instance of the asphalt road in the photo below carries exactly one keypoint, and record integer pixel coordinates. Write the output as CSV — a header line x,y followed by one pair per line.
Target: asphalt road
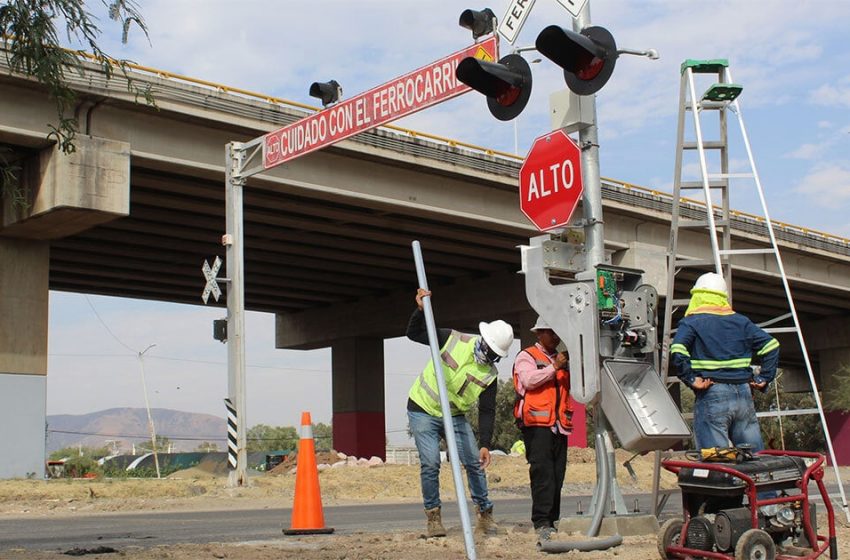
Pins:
x,y
119,530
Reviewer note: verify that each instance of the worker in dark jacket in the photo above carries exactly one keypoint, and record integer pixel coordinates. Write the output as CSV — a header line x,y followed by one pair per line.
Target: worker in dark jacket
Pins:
x,y
468,363
712,352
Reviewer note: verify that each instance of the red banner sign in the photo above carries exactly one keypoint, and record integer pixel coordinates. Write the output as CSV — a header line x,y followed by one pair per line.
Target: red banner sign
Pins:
x,y
398,98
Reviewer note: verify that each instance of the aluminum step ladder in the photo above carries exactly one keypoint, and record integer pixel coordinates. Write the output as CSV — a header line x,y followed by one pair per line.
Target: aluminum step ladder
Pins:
x,y
720,99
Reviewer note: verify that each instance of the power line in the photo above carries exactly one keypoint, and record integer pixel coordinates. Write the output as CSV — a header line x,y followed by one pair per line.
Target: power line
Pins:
x,y
105,326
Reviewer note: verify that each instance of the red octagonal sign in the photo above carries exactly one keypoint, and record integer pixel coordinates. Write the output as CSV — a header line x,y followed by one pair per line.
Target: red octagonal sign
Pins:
x,y
550,183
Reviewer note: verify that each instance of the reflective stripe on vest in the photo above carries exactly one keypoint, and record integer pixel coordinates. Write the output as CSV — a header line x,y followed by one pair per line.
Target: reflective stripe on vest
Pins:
x,y
465,378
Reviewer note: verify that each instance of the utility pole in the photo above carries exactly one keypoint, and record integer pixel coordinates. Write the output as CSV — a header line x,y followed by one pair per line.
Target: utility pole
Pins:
x,y
235,258
595,247
151,428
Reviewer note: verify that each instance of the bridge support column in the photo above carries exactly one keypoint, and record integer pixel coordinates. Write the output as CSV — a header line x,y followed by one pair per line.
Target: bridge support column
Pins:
x,y
834,372
24,267
358,396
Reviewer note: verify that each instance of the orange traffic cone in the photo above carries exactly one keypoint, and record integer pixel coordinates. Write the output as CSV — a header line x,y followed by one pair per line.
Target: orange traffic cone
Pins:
x,y
307,516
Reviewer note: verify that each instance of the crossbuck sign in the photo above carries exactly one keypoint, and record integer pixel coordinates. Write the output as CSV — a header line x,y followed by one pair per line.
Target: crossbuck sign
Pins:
x,y
210,272
518,11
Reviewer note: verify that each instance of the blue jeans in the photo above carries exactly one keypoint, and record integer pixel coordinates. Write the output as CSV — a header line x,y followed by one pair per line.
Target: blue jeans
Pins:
x,y
427,432
724,415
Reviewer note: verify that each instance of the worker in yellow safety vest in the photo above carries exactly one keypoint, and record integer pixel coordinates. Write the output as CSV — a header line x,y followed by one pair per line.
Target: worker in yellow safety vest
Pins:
x,y
468,364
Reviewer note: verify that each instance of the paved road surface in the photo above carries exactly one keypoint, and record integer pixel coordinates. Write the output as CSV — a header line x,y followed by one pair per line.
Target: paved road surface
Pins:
x,y
119,530
160,528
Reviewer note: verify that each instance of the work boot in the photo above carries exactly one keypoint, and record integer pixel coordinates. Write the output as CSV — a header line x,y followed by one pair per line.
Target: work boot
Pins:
x,y
545,534
486,524
435,523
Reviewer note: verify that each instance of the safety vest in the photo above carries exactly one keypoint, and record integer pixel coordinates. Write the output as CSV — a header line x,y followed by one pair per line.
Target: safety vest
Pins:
x,y
550,401
465,378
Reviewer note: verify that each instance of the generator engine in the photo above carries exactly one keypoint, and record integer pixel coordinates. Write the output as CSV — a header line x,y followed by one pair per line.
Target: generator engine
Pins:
x,y
715,502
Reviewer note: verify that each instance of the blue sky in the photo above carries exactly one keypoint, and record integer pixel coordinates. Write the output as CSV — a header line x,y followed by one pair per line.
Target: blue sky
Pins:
x,y
791,57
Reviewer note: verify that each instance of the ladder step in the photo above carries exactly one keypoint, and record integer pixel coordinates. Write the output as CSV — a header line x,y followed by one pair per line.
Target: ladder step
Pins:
x,y
780,329
698,184
696,224
722,92
680,302
731,176
710,145
707,106
708,66
746,251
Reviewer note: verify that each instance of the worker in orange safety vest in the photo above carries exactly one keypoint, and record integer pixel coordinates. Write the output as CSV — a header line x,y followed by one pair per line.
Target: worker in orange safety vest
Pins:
x,y
543,411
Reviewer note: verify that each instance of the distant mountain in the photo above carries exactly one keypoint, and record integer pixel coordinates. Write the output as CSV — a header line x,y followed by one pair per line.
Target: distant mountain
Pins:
x,y
126,426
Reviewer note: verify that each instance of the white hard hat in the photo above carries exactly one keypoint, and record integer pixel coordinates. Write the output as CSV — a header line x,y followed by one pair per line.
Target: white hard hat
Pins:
x,y
540,325
711,281
498,335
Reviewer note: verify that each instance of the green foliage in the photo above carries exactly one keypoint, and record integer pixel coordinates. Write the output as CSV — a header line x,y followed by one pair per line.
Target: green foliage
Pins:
x,y
323,434
505,431
162,444
93,453
31,42
285,438
801,433
271,438
77,466
838,398
112,470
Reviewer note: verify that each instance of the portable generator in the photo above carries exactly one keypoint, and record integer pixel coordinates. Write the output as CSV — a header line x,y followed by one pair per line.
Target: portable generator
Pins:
x,y
777,520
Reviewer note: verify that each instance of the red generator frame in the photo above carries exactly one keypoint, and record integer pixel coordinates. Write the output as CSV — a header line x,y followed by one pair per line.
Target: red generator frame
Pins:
x,y
754,543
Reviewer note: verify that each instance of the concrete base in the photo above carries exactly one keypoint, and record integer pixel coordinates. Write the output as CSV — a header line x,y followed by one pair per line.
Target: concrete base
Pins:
x,y
23,406
623,525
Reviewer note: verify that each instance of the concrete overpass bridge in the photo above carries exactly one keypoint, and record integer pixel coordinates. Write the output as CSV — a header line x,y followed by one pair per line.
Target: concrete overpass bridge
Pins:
x,y
140,205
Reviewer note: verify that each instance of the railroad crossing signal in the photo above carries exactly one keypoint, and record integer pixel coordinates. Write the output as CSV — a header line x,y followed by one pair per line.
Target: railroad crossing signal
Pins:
x,y
506,84
210,273
587,58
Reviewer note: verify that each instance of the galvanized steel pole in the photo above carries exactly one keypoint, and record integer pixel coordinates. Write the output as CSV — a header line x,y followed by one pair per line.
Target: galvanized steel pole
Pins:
x,y
595,246
235,258
448,424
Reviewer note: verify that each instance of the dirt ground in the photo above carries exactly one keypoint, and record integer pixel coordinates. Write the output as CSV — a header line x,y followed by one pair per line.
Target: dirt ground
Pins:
x,y
198,489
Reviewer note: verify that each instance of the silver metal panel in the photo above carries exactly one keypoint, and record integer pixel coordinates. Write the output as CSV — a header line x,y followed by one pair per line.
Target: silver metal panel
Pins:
x,y
23,405
639,408
570,309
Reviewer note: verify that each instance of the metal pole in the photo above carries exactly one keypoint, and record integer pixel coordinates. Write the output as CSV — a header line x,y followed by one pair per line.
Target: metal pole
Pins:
x,y
234,257
151,428
594,236
592,198
448,426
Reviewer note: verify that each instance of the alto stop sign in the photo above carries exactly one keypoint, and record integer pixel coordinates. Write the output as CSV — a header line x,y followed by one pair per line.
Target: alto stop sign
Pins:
x,y
550,183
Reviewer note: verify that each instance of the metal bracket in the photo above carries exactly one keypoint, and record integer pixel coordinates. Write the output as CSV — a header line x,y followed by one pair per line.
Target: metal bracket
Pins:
x,y
570,309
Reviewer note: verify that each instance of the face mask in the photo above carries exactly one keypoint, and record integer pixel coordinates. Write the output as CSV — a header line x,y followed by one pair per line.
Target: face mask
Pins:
x,y
483,354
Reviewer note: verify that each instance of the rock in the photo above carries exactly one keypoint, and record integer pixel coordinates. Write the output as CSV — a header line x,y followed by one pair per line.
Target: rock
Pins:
x,y
375,461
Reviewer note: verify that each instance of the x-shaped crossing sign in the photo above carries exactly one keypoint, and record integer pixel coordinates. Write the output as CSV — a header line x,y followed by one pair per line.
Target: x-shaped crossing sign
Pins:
x,y
518,10
210,272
